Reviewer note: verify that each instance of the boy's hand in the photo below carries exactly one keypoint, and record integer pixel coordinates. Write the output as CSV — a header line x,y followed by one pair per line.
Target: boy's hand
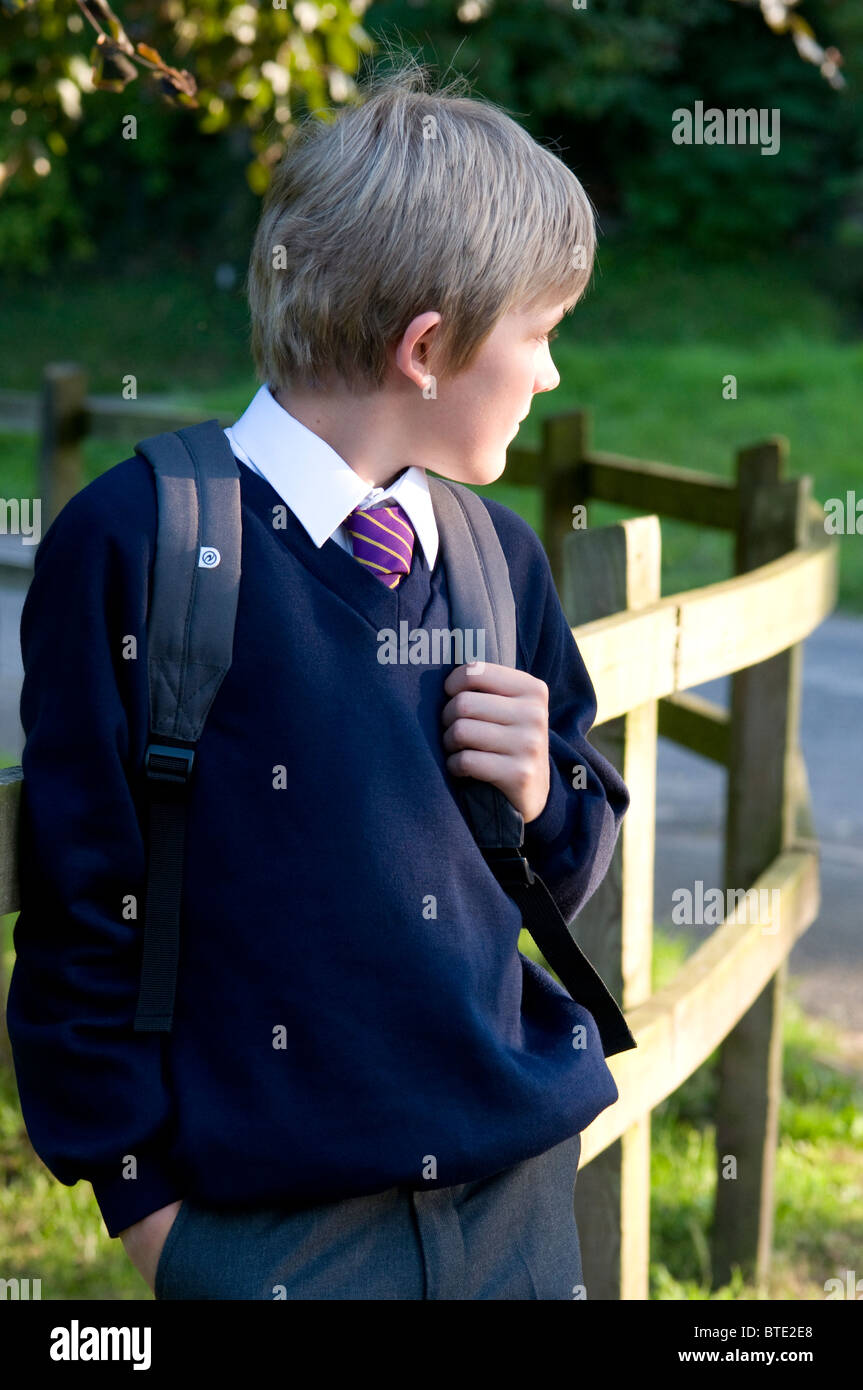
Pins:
x,y
496,729
144,1240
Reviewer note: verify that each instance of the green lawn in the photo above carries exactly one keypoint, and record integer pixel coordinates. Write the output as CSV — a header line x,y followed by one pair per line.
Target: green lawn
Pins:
x,y
646,352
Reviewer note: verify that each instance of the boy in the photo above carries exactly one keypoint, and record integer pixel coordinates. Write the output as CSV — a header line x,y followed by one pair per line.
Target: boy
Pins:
x,y
368,1092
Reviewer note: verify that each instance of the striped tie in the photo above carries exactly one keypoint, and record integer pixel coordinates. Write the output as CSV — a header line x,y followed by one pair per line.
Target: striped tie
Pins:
x,y
383,541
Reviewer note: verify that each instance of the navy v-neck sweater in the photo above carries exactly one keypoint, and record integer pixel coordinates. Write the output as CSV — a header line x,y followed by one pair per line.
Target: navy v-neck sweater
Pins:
x,y
352,1009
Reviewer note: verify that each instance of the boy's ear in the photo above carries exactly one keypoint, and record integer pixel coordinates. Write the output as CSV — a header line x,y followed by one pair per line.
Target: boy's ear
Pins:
x,y
415,351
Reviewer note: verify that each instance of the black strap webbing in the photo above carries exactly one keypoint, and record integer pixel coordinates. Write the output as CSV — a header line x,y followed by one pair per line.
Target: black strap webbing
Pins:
x,y
543,919
166,818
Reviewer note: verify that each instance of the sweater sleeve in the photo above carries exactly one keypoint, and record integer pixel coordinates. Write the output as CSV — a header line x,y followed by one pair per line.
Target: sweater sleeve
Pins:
x,y
93,1093
570,843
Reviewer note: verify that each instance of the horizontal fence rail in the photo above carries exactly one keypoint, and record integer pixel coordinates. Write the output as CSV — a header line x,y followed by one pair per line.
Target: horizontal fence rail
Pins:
x,y
679,1026
690,638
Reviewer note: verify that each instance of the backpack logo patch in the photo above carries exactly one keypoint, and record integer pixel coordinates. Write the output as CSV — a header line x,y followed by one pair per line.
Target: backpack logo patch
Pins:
x,y
209,557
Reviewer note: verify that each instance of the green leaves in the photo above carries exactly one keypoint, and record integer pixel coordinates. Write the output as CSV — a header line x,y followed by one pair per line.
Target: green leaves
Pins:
x,y
250,68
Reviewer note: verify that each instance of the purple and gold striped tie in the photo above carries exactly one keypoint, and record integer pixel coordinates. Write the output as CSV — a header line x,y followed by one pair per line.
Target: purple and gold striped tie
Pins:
x,y
383,541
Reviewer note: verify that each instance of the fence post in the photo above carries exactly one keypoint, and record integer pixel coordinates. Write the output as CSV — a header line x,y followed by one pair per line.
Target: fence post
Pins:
x,y
565,442
607,570
63,425
760,823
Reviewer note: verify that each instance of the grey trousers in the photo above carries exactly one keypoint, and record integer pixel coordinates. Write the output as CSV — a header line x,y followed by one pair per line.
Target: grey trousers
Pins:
x,y
510,1236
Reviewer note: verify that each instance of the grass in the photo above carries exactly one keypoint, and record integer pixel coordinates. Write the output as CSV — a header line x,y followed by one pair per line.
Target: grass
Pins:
x,y
646,351
56,1234
819,1187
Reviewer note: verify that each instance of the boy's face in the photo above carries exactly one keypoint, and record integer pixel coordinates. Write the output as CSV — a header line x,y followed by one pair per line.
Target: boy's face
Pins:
x,y
464,430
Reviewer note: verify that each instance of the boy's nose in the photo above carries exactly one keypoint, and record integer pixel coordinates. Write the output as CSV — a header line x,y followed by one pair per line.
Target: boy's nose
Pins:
x,y
547,379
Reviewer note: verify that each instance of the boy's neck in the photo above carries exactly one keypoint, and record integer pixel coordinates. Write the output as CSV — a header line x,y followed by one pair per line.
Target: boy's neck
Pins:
x,y
363,430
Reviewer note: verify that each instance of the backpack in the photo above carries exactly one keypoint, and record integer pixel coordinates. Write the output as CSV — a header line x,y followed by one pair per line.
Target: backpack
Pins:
x,y
190,635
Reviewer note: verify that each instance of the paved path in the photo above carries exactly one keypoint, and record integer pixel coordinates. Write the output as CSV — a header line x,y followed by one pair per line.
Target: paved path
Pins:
x,y
827,963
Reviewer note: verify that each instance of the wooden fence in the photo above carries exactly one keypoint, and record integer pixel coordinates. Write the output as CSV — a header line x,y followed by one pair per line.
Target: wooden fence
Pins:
x,y
643,652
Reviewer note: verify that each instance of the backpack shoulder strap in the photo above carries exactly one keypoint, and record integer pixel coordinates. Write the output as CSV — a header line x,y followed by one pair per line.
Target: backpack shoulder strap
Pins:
x,y
190,631
476,569
481,598
190,638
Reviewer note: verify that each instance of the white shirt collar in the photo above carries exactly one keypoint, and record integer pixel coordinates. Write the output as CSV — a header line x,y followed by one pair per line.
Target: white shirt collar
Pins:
x,y
315,482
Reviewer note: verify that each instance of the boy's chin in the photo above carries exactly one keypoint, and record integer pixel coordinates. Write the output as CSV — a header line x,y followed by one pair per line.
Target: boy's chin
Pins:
x,y
493,472
488,470
478,473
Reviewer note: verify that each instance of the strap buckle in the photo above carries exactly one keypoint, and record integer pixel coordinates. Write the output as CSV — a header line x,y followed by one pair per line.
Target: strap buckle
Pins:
x,y
508,865
165,763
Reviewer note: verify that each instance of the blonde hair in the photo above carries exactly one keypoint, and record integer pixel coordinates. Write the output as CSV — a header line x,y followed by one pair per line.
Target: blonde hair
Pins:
x,y
417,198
